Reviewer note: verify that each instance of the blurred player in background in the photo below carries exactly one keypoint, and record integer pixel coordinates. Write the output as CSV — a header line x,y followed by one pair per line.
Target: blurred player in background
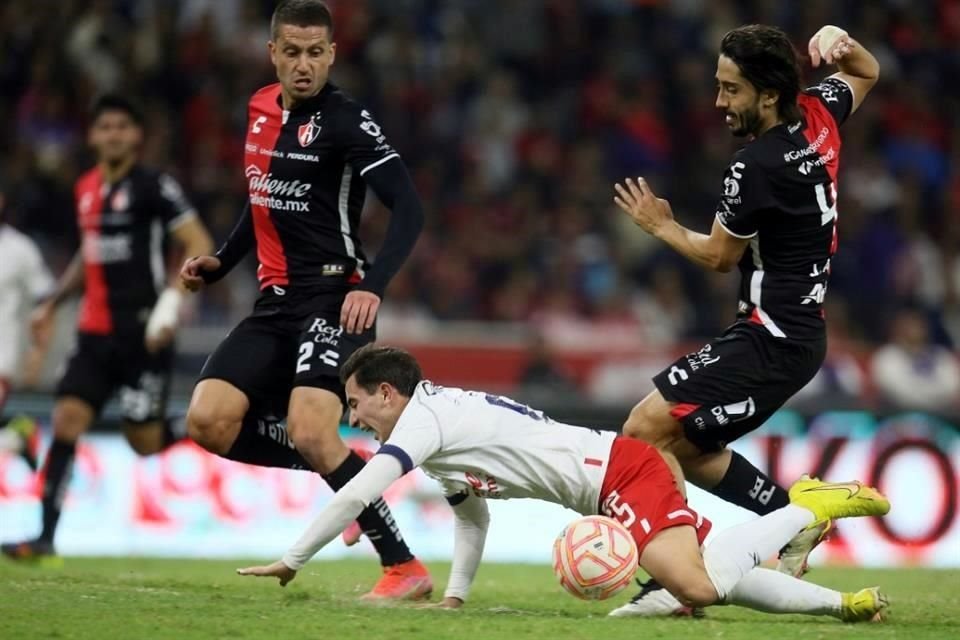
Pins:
x,y
24,280
777,221
311,152
130,308
481,446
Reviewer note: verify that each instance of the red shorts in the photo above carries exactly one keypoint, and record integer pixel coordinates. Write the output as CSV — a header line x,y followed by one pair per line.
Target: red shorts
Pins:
x,y
640,492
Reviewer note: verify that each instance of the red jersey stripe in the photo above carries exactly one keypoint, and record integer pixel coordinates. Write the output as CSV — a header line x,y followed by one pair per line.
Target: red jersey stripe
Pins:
x,y
263,130
94,316
818,118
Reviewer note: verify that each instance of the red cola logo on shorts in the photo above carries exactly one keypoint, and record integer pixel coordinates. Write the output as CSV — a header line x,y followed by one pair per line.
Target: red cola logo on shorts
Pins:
x,y
324,332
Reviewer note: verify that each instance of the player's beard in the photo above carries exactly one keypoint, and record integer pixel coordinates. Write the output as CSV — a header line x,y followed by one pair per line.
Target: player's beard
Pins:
x,y
748,122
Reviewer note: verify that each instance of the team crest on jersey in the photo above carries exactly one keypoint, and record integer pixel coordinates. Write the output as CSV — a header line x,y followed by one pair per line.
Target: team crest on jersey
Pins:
x,y
120,200
309,131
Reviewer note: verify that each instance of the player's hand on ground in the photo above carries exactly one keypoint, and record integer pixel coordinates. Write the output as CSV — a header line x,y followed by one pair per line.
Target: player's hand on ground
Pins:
x,y
359,310
830,44
41,324
276,570
192,268
638,201
446,603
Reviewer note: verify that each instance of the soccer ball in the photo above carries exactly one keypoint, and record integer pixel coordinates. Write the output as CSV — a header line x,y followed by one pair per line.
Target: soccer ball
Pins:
x,y
595,557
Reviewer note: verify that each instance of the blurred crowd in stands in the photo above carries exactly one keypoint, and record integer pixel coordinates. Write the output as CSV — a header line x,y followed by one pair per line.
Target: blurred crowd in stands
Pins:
x,y
516,117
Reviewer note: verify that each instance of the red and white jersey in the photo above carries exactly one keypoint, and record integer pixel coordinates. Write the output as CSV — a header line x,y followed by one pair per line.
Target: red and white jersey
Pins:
x,y
495,447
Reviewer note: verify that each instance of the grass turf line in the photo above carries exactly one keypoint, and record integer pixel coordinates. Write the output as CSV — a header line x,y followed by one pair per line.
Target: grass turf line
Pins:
x,y
184,599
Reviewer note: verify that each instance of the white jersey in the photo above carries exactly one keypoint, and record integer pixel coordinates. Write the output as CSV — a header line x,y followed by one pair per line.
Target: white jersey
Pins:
x,y
495,447
24,278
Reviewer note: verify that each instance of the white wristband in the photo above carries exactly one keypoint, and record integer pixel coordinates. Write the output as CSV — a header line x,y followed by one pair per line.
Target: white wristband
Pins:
x,y
166,312
829,35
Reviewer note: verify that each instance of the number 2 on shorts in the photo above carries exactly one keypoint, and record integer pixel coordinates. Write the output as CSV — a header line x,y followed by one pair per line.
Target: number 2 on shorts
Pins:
x,y
329,357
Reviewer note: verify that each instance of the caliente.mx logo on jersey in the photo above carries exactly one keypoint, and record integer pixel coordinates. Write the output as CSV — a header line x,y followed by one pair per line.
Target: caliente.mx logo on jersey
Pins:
x,y
279,195
309,131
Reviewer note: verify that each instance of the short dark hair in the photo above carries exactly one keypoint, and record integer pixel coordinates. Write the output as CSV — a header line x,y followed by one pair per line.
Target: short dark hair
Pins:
x,y
767,59
301,13
116,102
373,364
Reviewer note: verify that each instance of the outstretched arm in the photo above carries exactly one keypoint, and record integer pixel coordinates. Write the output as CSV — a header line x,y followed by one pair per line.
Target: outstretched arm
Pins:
x,y
368,485
719,251
471,519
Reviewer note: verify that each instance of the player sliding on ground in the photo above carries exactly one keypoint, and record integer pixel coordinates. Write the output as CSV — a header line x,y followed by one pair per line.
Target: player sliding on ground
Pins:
x,y
481,446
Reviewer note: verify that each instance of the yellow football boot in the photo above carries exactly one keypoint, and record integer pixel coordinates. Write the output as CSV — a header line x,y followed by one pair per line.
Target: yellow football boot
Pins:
x,y
831,500
866,605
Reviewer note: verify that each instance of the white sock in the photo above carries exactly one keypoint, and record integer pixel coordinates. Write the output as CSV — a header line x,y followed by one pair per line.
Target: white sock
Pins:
x,y
10,440
736,551
775,592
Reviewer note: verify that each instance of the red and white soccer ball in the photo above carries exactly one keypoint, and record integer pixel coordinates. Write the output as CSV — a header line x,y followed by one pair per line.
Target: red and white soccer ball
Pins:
x,y
595,557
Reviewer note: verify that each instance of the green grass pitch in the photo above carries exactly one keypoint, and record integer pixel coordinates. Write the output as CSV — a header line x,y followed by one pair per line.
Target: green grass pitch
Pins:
x,y
182,599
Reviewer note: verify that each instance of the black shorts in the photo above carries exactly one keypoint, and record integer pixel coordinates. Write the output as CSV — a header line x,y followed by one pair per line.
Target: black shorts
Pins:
x,y
103,365
286,343
736,382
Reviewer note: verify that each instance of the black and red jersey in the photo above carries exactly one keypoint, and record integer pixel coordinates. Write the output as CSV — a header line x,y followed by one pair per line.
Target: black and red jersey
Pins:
x,y
122,229
780,191
305,172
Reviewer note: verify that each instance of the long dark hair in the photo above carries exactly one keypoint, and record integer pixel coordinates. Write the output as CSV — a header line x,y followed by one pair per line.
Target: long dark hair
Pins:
x,y
767,59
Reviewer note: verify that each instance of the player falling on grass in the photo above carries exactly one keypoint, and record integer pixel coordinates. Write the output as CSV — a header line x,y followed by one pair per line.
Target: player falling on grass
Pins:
x,y
311,152
129,310
480,446
24,280
776,220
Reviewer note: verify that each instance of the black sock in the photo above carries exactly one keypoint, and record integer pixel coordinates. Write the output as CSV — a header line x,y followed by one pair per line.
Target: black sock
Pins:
x,y
376,520
746,486
174,430
265,443
57,471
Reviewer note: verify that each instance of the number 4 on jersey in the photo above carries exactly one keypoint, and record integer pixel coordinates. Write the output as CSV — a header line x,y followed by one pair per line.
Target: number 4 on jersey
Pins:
x,y
828,215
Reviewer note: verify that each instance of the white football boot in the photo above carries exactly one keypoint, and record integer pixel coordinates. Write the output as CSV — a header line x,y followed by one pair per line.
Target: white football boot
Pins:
x,y
654,601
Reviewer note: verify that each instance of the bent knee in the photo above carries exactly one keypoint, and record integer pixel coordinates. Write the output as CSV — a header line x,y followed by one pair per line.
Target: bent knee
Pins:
x,y
144,440
212,429
318,438
653,426
697,593
71,418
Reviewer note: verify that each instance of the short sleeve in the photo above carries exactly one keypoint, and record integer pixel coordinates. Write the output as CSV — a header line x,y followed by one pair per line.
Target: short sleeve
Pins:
x,y
175,209
836,95
364,142
415,438
745,195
